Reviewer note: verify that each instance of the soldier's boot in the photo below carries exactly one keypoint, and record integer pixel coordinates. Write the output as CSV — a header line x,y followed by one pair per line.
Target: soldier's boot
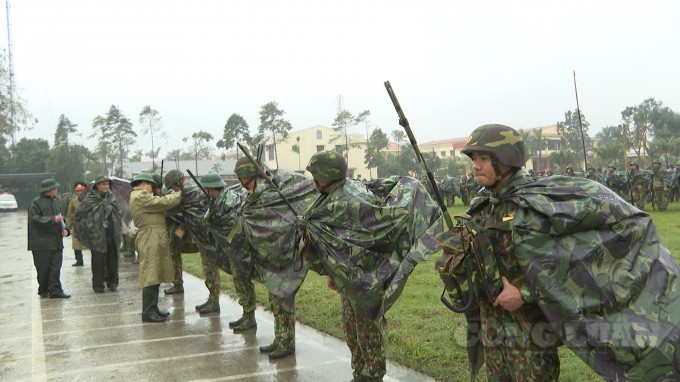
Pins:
x,y
210,307
79,258
149,304
247,323
282,350
238,322
200,306
175,289
269,348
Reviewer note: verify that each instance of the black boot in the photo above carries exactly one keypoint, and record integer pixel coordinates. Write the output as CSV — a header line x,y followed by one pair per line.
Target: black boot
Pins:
x,y
150,304
79,258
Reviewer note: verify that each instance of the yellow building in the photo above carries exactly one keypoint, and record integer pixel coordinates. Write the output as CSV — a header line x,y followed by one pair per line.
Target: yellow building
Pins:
x,y
315,139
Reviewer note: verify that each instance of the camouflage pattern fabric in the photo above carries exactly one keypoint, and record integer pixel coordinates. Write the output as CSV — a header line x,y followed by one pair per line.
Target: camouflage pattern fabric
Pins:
x,y
365,340
284,323
95,214
660,184
221,218
450,187
617,306
616,182
212,276
267,227
369,243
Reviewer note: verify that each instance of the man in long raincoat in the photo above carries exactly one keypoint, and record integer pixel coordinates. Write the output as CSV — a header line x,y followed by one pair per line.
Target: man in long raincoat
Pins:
x,y
155,264
76,245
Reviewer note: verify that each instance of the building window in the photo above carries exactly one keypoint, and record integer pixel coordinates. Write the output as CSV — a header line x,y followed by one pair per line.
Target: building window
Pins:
x,y
319,134
442,154
319,148
270,152
339,148
452,153
553,144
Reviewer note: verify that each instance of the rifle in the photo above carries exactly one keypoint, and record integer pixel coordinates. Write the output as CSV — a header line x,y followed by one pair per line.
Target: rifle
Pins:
x,y
404,123
198,183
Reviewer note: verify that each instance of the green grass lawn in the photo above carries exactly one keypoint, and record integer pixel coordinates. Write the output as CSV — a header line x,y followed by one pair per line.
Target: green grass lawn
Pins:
x,y
422,333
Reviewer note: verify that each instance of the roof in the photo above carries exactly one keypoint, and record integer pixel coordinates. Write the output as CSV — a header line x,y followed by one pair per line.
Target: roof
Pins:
x,y
198,168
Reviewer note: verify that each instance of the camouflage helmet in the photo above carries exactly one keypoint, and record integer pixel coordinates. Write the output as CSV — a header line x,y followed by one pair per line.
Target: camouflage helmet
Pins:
x,y
502,141
656,161
212,180
172,177
633,164
327,166
612,165
244,168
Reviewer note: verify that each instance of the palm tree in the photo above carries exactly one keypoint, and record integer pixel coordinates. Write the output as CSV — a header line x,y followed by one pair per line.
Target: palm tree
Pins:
x,y
539,142
399,137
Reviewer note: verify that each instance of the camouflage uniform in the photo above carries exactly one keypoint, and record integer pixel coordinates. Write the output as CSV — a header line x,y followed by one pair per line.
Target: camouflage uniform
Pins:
x,y
174,180
660,184
512,351
614,181
212,277
675,187
638,186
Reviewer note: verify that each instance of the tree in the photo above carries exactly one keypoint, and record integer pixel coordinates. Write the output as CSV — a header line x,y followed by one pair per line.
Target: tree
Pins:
x,y
539,143
29,155
236,129
610,148
153,125
571,134
374,156
455,166
199,145
271,121
341,125
115,136
398,137
564,158
137,156
528,144
296,149
665,148
66,160
13,114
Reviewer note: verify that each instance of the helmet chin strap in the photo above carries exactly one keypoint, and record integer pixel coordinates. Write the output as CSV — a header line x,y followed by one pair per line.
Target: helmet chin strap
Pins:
x,y
500,176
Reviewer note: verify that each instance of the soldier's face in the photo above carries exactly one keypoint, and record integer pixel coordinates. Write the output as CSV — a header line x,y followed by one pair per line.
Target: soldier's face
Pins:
x,y
102,187
248,183
485,175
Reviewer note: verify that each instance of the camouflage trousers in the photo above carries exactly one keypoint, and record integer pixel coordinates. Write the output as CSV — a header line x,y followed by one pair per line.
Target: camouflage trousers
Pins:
x,y
365,340
509,352
176,255
245,290
212,278
284,323
660,198
639,195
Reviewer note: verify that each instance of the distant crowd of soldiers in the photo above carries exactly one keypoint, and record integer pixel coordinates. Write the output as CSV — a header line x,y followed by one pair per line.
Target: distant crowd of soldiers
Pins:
x,y
658,186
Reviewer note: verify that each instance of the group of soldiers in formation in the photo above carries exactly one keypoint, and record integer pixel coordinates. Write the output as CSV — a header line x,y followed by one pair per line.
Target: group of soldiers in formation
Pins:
x,y
657,185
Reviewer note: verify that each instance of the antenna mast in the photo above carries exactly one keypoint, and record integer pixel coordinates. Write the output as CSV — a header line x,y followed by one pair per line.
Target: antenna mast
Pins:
x,y
11,73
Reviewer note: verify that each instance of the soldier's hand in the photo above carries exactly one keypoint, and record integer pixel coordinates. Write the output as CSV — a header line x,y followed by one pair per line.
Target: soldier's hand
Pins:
x,y
509,299
58,218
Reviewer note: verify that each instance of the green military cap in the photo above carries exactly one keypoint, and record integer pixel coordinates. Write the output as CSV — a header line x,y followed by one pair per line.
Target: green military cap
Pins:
x,y
244,168
633,164
327,166
502,141
101,178
172,177
143,178
656,161
212,180
48,184
611,165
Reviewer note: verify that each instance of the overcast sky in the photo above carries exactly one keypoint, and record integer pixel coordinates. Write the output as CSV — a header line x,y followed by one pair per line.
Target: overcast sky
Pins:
x,y
454,65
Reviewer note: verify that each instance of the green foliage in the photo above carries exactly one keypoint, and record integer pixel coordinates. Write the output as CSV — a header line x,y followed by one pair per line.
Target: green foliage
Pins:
x,y
29,155
341,125
199,145
152,124
378,141
571,133
455,166
272,122
115,135
564,158
237,130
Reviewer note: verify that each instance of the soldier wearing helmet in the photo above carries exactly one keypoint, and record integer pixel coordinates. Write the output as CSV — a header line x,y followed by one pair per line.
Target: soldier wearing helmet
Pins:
x,y
569,171
497,153
328,168
660,185
637,183
174,181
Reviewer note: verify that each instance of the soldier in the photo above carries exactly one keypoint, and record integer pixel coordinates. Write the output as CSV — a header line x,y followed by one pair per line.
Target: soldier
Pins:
x,y
155,266
98,223
46,232
613,180
174,181
511,352
270,235
659,185
592,175
675,188
79,188
637,186
569,171
214,186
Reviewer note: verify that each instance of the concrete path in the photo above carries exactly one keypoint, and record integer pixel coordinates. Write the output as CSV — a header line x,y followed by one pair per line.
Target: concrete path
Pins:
x,y
100,337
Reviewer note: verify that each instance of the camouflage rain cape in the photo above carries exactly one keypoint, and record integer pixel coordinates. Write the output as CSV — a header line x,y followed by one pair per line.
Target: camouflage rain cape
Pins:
x,y
95,213
267,227
221,218
369,238
195,205
600,274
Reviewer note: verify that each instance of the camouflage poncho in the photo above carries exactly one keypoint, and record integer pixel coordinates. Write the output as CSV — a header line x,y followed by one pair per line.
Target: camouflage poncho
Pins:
x,y
221,219
370,240
195,205
267,227
95,214
596,267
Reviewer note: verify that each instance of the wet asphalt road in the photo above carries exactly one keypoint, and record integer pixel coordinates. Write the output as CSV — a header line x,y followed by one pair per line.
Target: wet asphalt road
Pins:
x,y
100,337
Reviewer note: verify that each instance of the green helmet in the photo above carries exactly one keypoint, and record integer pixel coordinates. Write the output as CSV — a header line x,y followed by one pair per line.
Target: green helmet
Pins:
x,y
143,177
172,177
212,180
157,180
327,166
245,168
502,141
